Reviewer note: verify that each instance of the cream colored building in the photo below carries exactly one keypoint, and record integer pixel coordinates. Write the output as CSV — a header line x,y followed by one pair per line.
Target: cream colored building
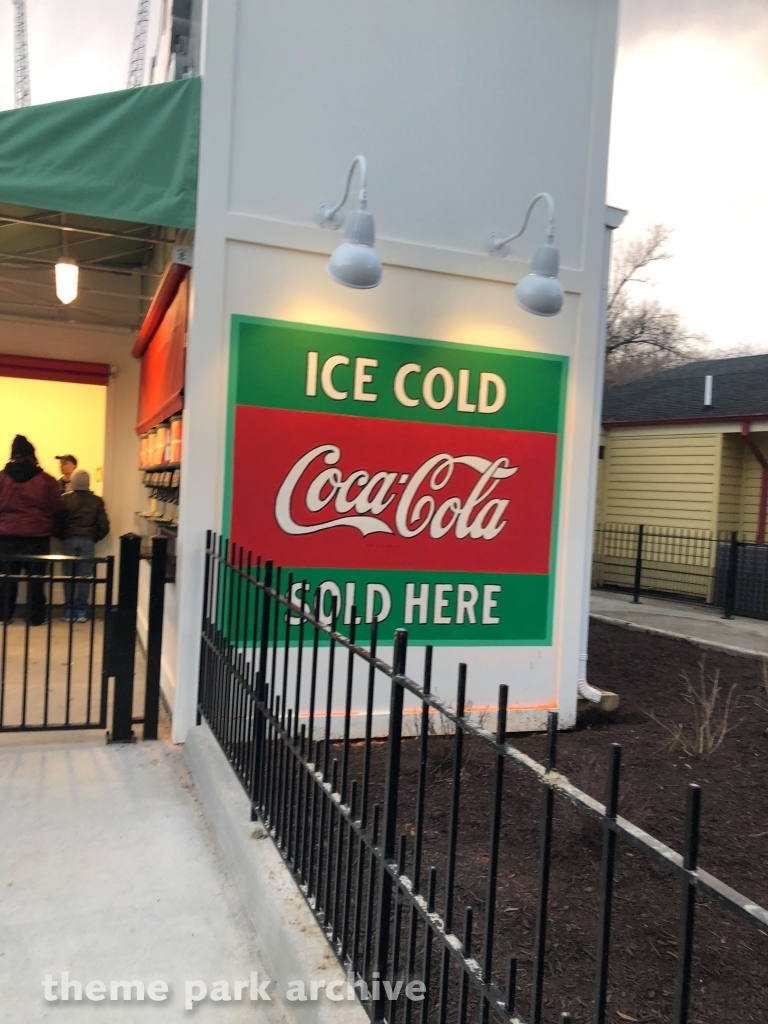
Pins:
x,y
688,449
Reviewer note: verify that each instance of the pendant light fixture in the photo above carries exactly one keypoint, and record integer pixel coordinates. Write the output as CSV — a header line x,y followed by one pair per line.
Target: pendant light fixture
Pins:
x,y
67,275
66,271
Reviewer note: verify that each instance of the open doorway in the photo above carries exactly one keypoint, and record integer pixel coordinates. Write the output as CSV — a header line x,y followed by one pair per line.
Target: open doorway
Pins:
x,y
53,676
58,417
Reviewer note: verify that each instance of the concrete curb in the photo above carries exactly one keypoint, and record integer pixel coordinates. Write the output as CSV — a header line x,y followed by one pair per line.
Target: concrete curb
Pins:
x,y
293,946
710,645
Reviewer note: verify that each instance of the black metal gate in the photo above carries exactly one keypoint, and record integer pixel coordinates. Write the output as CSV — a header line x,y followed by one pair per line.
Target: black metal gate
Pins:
x,y
62,638
54,645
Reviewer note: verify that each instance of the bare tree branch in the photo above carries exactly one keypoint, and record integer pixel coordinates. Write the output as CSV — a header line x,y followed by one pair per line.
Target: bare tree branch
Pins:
x,y
635,255
642,335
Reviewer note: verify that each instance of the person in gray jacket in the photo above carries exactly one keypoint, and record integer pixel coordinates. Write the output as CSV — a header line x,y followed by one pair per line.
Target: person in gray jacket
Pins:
x,y
85,524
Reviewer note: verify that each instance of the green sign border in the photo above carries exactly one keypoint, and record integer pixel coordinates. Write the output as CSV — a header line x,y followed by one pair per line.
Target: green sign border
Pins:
x,y
238,320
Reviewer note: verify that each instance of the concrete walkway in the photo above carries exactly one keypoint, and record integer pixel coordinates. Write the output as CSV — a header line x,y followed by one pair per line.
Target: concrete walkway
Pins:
x,y
698,623
108,871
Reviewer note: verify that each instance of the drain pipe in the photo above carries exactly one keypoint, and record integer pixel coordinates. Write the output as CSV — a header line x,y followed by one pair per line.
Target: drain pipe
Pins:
x,y
613,220
762,505
588,692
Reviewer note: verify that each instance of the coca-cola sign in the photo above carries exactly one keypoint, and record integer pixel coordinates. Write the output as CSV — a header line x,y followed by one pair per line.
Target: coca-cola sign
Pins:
x,y
410,481
369,495
393,494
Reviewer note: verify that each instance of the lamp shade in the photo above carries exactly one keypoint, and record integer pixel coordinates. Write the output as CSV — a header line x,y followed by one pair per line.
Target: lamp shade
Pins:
x,y
67,274
356,263
540,292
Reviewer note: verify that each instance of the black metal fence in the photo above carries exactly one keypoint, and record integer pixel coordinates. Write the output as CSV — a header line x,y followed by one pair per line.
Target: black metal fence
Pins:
x,y
359,860
53,673
121,657
720,569
62,639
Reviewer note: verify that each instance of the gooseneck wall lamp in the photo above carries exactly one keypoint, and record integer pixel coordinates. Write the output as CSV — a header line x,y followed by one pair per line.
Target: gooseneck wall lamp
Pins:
x,y
539,292
355,263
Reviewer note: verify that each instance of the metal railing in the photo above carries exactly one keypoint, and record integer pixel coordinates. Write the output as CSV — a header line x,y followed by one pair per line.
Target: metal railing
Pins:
x,y
122,659
265,655
719,569
60,646
53,670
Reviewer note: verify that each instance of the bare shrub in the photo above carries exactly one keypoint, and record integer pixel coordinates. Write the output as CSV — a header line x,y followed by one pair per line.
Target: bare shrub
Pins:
x,y
591,777
707,725
412,726
440,763
764,707
439,725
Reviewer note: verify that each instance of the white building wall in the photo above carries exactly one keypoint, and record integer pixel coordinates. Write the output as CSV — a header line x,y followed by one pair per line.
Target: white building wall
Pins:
x,y
170,630
464,111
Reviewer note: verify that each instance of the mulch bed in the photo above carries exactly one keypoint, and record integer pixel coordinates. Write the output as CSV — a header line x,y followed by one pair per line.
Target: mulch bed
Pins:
x,y
730,973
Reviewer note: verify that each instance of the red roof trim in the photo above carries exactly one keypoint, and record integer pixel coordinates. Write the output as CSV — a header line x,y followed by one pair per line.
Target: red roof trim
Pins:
x,y
751,418
164,296
68,370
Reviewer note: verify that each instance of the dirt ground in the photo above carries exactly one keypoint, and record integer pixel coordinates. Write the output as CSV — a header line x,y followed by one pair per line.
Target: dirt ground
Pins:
x,y
730,972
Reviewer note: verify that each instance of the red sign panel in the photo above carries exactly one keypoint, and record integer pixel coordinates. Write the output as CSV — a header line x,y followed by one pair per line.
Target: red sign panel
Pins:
x,y
327,490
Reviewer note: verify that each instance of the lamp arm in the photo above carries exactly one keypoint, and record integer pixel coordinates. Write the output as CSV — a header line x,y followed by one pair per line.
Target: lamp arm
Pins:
x,y
499,243
359,161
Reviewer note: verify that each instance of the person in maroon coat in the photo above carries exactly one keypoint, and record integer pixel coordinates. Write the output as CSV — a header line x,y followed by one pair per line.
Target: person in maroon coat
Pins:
x,y
30,512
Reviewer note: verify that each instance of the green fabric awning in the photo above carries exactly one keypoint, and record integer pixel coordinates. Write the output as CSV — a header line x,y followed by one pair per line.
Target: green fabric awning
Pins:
x,y
129,155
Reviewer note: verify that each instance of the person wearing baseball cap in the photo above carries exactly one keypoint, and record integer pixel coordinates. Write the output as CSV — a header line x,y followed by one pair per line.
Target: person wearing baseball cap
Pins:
x,y
67,465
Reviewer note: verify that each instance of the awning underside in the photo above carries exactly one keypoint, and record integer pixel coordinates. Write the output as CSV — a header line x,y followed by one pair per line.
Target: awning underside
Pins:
x,y
109,181
120,265
129,155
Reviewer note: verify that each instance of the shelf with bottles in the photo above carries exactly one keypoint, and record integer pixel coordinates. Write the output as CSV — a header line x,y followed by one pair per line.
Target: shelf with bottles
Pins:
x,y
165,475
160,447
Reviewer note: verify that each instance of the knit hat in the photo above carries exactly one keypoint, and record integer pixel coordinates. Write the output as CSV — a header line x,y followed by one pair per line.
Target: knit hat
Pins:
x,y
81,481
21,448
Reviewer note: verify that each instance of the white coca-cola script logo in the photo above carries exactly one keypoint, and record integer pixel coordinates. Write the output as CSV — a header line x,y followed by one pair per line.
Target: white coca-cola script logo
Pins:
x,y
479,517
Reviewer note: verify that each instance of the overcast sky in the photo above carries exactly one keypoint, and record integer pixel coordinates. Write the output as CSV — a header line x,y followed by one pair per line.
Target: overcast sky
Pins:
x,y
689,149
689,143
76,47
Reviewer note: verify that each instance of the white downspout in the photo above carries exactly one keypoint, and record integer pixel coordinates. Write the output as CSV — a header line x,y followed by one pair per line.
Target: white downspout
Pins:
x,y
613,219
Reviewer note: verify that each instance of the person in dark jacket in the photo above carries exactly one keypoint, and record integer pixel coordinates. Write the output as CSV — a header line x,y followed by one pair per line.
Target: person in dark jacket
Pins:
x,y
85,524
30,510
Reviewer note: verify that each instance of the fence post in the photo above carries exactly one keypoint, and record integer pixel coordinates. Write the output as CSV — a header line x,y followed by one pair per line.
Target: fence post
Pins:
x,y
685,940
391,789
545,861
638,564
731,576
202,674
607,864
261,695
107,649
124,639
155,636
